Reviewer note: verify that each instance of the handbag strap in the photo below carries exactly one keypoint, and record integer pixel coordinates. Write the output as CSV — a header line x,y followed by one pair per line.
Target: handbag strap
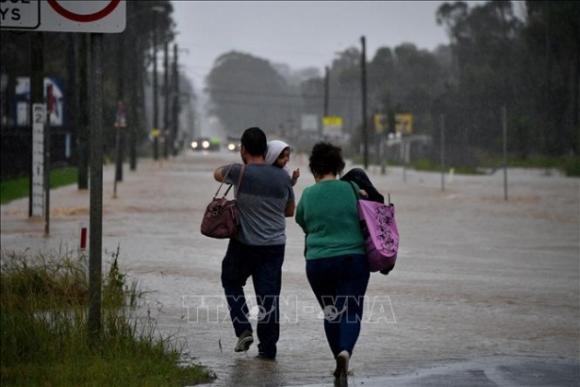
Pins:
x,y
358,196
222,183
230,186
239,180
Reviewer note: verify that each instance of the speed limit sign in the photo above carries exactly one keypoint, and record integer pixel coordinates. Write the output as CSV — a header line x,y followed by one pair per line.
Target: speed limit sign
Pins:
x,y
99,16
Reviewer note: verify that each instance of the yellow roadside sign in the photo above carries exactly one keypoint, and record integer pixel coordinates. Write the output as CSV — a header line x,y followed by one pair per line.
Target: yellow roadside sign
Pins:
x,y
404,123
155,133
381,124
332,121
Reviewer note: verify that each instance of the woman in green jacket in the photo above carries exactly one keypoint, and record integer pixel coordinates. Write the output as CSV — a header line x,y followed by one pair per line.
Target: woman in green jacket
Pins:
x,y
336,265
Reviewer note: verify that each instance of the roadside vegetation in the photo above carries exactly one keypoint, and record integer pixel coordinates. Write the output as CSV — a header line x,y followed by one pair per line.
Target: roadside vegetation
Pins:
x,y
12,189
44,333
568,165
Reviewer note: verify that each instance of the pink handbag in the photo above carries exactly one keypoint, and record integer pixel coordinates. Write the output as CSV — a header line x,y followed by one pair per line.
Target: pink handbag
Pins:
x,y
222,217
380,231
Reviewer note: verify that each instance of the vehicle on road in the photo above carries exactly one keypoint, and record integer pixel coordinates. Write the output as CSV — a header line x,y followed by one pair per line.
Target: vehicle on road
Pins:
x,y
233,144
205,144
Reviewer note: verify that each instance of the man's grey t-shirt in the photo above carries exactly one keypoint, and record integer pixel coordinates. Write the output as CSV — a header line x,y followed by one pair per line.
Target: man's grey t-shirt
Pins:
x,y
262,198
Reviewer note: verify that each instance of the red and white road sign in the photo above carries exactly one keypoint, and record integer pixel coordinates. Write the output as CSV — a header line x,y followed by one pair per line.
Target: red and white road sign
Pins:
x,y
99,16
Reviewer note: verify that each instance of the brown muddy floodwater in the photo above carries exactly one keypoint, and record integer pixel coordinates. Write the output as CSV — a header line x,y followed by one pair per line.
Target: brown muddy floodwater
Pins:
x,y
476,278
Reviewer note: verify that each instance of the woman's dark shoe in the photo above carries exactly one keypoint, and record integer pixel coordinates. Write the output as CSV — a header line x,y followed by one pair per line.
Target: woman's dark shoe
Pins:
x,y
341,372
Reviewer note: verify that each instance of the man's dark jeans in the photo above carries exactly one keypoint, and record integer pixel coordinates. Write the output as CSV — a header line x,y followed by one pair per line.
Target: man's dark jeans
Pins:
x,y
264,264
339,284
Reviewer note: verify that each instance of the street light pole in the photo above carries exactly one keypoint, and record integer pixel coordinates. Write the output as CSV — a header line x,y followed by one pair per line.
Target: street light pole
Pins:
x,y
176,107
442,149
364,101
155,131
166,99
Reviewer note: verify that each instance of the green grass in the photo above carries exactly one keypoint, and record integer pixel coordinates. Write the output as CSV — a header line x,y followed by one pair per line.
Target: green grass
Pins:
x,y
430,166
12,189
569,165
43,330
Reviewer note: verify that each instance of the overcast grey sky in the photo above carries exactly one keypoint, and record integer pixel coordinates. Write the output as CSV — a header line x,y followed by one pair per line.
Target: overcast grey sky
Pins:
x,y
300,34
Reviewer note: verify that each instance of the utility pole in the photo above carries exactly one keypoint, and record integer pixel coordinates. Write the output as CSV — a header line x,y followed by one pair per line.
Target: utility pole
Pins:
x,y
442,152
505,162
155,131
326,89
136,84
326,98
96,192
364,102
166,99
176,107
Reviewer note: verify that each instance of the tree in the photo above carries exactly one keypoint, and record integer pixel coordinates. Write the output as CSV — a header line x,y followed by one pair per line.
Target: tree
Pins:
x,y
247,91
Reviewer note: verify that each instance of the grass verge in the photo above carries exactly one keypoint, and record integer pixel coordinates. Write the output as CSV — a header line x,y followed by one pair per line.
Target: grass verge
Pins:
x,y
430,166
569,165
44,332
12,189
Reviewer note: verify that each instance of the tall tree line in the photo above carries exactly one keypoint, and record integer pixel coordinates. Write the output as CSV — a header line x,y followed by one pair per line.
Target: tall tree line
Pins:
x,y
528,62
531,65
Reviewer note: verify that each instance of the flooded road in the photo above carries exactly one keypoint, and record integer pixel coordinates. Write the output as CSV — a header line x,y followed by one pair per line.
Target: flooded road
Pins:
x,y
478,279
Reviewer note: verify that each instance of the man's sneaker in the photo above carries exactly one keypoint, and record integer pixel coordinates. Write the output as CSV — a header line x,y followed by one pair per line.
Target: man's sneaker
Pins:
x,y
244,341
341,371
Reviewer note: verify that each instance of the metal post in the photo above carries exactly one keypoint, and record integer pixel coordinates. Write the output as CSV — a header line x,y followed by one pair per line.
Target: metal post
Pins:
x,y
326,95
364,102
442,140
118,161
176,107
383,155
49,98
136,87
96,176
37,90
155,97
404,154
505,177
165,99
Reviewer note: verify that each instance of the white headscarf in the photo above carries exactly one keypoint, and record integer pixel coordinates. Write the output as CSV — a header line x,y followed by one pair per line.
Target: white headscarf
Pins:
x,y
275,148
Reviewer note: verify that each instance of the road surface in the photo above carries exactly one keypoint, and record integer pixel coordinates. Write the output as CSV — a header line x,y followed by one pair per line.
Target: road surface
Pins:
x,y
485,292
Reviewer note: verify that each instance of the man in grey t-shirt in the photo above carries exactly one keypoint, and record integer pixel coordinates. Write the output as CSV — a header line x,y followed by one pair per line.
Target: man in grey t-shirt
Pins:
x,y
264,197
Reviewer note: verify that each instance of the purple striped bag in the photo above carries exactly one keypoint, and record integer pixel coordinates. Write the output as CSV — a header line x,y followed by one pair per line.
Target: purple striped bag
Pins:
x,y
380,231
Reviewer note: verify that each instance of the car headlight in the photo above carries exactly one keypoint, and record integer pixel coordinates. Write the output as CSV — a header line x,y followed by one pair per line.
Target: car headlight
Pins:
x,y
232,147
194,144
205,144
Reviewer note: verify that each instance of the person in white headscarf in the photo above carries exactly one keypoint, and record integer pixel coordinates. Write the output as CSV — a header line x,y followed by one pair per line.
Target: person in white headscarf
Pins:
x,y
279,154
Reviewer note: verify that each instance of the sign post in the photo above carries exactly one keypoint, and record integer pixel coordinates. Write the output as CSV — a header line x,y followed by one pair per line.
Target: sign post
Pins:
x,y
38,124
95,17
96,185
